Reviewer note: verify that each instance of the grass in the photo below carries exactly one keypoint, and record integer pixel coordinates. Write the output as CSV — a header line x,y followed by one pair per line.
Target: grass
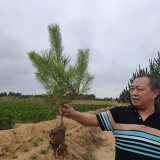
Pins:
x,y
81,127
35,143
33,156
41,139
25,149
88,156
43,151
97,144
46,136
73,126
14,156
68,134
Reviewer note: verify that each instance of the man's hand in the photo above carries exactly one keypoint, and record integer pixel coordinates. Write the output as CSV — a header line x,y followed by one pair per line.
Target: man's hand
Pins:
x,y
82,118
67,111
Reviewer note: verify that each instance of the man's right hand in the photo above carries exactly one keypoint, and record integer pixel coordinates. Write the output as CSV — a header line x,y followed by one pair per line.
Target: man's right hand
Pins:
x,y
67,111
82,118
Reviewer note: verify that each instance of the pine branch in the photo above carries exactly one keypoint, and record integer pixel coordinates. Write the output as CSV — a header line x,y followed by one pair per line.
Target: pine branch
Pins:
x,y
67,82
81,72
89,79
54,77
36,63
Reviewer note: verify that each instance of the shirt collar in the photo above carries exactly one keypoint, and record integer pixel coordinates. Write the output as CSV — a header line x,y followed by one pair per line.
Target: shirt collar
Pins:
x,y
157,110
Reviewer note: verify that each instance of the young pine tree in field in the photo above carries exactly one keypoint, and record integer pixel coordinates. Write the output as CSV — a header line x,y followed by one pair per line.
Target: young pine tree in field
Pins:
x,y
62,81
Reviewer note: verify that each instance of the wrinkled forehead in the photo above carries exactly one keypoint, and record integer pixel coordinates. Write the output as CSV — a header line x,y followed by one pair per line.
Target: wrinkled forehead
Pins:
x,y
141,81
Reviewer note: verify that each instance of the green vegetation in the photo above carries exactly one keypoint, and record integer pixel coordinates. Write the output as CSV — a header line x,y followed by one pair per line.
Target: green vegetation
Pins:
x,y
19,98
25,149
81,127
12,113
43,151
73,126
33,156
62,80
88,156
68,134
35,143
46,136
41,139
154,66
14,156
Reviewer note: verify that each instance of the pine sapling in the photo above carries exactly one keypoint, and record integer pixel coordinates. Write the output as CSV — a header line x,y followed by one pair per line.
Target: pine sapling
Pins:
x,y
62,81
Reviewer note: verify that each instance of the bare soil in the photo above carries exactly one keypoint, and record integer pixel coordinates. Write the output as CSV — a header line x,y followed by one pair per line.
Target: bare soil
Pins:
x,y
83,142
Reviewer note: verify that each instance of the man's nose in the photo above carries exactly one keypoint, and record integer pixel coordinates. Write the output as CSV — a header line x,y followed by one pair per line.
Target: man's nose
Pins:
x,y
134,92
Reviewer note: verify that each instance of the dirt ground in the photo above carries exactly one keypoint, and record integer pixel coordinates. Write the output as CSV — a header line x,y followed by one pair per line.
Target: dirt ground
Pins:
x,y
83,142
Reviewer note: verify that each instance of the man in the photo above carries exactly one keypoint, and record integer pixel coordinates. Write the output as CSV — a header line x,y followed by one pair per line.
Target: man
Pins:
x,y
136,128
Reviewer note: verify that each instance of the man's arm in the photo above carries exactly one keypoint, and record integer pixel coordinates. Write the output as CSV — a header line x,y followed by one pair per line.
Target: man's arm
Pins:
x,y
82,118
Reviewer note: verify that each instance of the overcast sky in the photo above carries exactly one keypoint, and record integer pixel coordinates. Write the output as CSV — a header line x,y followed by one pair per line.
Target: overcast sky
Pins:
x,y
121,34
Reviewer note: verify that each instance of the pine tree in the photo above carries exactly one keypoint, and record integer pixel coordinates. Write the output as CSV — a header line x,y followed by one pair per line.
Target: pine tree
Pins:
x,y
154,69
154,66
62,81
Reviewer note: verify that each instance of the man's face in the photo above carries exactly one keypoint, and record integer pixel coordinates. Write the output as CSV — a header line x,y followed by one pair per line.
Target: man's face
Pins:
x,y
141,94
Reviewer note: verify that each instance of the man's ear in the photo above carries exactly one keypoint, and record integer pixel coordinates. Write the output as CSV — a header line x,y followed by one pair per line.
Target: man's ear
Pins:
x,y
156,92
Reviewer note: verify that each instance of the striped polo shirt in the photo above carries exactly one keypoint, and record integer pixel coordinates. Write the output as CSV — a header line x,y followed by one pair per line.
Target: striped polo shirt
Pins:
x,y
135,139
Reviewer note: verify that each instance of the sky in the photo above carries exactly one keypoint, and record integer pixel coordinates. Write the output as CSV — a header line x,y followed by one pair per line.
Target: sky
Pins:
x,y
120,34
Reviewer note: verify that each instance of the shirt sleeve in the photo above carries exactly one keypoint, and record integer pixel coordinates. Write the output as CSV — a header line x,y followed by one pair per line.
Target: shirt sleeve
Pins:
x,y
106,119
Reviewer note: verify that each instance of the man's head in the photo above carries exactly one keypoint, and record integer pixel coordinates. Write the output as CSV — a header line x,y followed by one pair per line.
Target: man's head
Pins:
x,y
144,90
153,81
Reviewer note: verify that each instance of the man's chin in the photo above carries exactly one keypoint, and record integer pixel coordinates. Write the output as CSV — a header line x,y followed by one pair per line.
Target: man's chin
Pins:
x,y
136,104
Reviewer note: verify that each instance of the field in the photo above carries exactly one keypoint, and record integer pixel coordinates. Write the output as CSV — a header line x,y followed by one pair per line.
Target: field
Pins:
x,y
12,113
82,141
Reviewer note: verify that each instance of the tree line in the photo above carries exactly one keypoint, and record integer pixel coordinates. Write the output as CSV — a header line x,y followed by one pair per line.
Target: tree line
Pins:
x,y
80,97
11,94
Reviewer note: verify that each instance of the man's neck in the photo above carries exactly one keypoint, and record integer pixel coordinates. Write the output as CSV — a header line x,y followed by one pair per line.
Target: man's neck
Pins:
x,y
144,113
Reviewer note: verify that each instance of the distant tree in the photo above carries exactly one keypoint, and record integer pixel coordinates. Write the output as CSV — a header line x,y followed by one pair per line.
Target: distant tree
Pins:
x,y
3,94
124,96
154,69
14,94
86,96
11,93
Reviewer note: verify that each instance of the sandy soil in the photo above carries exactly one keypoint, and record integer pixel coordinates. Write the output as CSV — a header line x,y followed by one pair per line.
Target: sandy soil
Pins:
x,y
82,142
107,148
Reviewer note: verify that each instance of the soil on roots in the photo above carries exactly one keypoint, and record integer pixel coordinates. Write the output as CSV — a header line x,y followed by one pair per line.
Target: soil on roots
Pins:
x,y
60,150
57,136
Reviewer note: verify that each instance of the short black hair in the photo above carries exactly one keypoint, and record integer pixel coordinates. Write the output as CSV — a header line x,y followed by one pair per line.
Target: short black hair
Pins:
x,y
153,81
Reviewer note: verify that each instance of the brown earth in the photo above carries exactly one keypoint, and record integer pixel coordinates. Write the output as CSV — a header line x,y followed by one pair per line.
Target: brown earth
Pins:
x,y
83,142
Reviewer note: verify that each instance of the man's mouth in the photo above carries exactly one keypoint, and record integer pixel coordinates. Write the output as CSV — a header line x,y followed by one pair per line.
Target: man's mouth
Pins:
x,y
135,99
